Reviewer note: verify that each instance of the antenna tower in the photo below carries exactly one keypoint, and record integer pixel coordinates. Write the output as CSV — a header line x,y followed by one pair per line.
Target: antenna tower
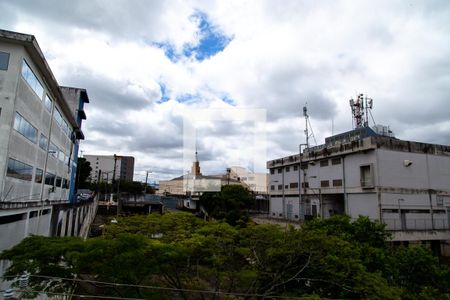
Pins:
x,y
307,127
361,108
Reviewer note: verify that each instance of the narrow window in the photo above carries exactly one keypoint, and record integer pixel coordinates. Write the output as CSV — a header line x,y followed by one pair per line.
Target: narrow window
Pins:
x,y
324,163
48,103
366,176
280,187
4,61
43,142
272,188
58,181
295,168
288,169
38,176
280,170
50,179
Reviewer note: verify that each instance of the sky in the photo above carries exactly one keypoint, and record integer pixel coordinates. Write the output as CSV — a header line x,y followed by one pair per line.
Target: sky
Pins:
x,y
149,65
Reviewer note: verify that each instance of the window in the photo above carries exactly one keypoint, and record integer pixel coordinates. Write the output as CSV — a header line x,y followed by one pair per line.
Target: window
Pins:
x,y
48,103
366,173
324,163
286,186
19,170
53,150
288,169
324,183
305,184
293,185
272,188
336,161
43,142
61,156
304,165
4,61
49,179
64,184
280,170
337,182
58,117
58,181
25,128
295,168
38,175
32,80
280,187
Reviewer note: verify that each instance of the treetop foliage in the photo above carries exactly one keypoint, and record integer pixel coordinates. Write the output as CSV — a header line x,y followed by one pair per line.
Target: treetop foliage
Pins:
x,y
333,258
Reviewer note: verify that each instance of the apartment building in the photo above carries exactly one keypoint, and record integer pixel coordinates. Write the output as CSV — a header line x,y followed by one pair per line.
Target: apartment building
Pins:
x,y
105,166
368,172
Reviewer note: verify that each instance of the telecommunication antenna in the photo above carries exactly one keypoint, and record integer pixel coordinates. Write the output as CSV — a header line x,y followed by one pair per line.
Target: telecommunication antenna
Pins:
x,y
361,108
307,127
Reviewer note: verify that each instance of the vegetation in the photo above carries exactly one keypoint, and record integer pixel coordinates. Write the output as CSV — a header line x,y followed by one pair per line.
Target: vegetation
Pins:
x,y
231,204
83,172
333,258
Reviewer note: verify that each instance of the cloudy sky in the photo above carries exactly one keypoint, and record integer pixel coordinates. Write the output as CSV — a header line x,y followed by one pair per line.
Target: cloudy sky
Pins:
x,y
148,64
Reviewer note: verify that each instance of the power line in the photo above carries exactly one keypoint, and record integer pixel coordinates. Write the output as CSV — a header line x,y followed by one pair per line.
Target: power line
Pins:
x,y
154,288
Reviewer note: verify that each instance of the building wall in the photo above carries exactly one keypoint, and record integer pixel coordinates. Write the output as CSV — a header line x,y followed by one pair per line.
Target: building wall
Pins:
x,y
17,96
105,163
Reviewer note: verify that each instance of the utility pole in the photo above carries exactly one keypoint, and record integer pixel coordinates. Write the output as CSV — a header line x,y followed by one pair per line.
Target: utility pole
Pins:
x,y
114,172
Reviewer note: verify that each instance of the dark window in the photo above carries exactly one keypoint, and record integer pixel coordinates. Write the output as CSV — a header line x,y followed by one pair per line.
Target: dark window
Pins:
x,y
43,142
295,168
324,163
272,188
33,214
19,170
288,169
25,128
64,183
280,187
336,161
280,170
286,186
4,61
304,165
32,80
12,218
324,183
38,175
58,181
337,182
366,176
305,184
293,185
50,179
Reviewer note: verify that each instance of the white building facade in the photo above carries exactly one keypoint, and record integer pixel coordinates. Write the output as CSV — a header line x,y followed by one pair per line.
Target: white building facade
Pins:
x,y
404,184
39,137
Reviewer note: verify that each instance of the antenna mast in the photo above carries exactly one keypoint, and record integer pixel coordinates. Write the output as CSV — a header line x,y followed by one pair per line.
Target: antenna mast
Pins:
x,y
361,108
307,127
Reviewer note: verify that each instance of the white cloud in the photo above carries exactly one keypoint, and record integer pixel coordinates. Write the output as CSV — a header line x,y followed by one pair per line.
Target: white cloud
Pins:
x,y
281,55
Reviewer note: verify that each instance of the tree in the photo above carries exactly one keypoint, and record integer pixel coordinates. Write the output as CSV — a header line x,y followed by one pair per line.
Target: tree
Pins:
x,y
231,203
187,256
83,172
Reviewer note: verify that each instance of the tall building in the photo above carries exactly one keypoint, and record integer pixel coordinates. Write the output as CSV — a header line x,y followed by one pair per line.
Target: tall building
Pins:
x,y
40,129
105,165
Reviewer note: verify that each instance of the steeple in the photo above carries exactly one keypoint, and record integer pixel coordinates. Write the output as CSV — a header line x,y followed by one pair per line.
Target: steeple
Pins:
x,y
195,170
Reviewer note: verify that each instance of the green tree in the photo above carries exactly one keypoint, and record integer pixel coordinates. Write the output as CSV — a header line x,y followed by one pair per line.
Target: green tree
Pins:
x,y
83,172
231,203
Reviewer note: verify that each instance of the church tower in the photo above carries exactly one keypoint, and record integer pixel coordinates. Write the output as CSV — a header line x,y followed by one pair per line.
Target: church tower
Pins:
x,y
195,170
